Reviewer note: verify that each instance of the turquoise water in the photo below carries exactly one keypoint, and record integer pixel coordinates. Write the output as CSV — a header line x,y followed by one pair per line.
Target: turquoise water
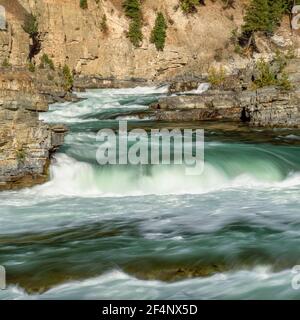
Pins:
x,y
132,232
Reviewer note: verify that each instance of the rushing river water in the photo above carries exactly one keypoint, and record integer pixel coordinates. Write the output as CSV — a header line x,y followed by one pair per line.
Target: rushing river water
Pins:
x,y
110,232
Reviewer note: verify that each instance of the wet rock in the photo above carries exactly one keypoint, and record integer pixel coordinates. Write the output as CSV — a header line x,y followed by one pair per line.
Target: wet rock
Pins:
x,y
171,274
212,105
183,86
267,107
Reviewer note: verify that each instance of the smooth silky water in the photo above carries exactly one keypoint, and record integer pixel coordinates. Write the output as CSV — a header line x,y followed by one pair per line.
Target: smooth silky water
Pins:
x,y
133,232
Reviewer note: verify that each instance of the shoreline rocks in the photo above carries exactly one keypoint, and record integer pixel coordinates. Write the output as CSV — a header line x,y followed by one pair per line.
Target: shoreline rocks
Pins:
x,y
266,107
26,143
211,105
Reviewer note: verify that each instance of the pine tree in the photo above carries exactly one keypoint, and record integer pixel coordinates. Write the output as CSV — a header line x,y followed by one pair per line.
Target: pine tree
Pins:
x,y
158,35
133,11
135,32
265,15
83,4
277,8
132,8
257,17
31,27
68,78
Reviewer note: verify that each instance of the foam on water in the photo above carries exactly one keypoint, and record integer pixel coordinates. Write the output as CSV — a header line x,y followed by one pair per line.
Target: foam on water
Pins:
x,y
203,87
70,177
247,198
100,100
82,111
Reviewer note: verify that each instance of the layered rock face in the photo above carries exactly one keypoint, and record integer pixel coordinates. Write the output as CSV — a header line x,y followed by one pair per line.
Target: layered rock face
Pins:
x,y
71,35
74,36
236,100
269,107
26,144
266,107
212,105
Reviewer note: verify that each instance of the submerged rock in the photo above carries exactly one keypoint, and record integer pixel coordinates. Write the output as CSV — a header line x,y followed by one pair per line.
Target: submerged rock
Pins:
x,y
172,274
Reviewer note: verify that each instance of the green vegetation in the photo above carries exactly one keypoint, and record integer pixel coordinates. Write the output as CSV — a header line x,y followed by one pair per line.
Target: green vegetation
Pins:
x,y
31,66
31,27
281,60
133,11
264,16
6,63
132,8
50,77
216,76
290,54
103,24
135,33
189,6
266,76
68,78
46,61
284,82
21,155
83,4
234,39
159,32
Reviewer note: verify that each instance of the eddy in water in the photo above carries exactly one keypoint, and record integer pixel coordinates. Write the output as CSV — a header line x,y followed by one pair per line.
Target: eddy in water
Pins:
x,y
144,231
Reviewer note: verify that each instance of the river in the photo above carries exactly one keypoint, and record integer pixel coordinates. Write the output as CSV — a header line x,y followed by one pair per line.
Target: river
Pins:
x,y
151,232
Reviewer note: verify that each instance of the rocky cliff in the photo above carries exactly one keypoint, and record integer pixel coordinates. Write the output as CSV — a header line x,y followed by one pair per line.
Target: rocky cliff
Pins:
x,y
72,35
270,106
26,144
267,107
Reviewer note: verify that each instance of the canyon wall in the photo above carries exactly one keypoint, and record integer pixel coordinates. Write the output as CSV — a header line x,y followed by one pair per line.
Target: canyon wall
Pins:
x,y
71,35
26,144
